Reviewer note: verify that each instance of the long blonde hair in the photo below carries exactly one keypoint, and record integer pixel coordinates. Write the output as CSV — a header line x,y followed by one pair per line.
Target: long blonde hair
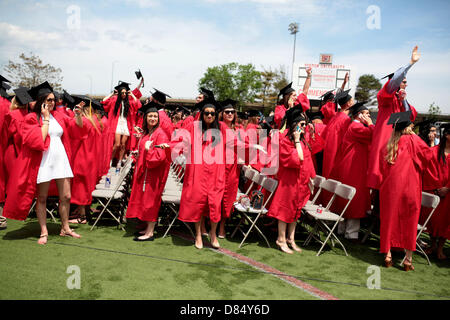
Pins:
x,y
392,145
87,113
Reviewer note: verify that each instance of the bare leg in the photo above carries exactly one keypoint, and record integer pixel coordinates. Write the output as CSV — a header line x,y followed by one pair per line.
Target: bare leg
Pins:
x,y
212,234
149,230
222,228
198,235
123,143
281,240
41,210
291,236
3,223
116,146
64,206
203,226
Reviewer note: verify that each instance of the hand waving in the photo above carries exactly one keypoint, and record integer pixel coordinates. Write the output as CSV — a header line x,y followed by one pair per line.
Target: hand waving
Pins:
x,y
415,55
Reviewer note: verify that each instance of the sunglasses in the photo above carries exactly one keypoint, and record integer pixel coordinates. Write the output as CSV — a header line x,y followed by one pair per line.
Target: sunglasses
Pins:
x,y
50,100
302,124
229,111
209,113
405,82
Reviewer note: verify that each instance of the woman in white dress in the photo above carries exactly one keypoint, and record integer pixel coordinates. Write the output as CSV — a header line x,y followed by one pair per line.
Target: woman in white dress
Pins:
x,y
55,163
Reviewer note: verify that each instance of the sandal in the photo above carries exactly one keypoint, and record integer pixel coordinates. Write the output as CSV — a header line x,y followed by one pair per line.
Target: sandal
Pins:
x,y
42,236
388,261
294,246
283,247
408,266
69,233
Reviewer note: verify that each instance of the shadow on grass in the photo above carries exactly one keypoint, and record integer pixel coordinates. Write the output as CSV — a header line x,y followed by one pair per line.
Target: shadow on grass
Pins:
x,y
32,230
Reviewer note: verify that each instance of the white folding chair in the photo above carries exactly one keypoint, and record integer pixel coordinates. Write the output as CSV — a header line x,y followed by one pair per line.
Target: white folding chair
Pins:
x,y
317,182
268,184
48,210
428,201
344,191
112,193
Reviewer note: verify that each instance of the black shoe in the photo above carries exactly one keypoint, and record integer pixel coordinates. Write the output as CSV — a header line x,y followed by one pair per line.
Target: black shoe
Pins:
x,y
148,239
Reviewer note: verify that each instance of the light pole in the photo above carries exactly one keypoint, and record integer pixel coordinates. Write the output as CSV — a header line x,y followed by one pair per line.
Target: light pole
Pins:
x,y
112,74
293,28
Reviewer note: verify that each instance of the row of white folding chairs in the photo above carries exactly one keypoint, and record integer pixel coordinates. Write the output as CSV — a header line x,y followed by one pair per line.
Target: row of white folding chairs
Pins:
x,y
248,213
105,194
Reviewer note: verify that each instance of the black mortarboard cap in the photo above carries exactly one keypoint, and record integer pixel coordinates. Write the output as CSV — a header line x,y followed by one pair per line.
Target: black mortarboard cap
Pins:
x,y
388,76
210,105
209,95
3,79
445,127
358,107
242,115
151,106
40,90
286,90
327,96
229,103
67,98
343,97
160,96
400,120
314,115
97,105
22,96
293,115
121,85
254,113
78,98
138,74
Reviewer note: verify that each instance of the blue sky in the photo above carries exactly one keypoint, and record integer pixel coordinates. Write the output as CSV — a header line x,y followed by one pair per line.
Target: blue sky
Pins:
x,y
173,42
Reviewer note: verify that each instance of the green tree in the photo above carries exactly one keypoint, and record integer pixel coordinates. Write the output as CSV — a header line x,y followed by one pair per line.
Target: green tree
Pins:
x,y
273,81
367,89
234,81
31,71
434,109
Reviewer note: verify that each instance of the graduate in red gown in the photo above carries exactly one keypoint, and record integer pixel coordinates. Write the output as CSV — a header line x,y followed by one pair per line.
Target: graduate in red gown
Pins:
x,y
4,109
204,179
437,180
42,159
334,133
150,173
402,163
289,99
295,172
391,99
121,106
232,168
85,162
11,133
351,169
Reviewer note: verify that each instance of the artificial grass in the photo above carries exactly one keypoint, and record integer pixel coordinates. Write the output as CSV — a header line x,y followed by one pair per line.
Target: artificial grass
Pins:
x,y
115,267
169,268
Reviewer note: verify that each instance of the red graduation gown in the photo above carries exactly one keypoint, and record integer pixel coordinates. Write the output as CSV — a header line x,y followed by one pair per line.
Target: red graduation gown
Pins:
x,y
85,165
401,193
151,170
204,182
4,109
333,136
280,110
329,111
436,176
387,105
293,176
351,169
19,202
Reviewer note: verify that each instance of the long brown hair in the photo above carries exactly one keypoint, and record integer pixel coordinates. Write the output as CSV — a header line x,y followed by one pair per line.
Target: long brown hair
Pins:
x,y
392,145
87,113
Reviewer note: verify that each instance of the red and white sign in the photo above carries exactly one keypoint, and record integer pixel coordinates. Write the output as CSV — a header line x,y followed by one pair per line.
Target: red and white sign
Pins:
x,y
324,77
326,58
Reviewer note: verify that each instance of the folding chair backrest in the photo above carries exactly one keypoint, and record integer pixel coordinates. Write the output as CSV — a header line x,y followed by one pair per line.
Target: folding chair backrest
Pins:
x,y
318,181
270,185
430,200
330,185
345,191
258,178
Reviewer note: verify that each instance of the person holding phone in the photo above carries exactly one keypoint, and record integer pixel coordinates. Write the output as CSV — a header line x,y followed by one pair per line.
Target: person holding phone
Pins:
x,y
46,156
294,175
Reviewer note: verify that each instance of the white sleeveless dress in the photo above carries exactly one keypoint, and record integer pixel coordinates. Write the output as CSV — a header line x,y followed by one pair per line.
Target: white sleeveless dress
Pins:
x,y
122,125
55,163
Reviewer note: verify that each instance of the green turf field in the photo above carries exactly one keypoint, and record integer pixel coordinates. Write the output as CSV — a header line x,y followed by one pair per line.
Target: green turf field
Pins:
x,y
112,266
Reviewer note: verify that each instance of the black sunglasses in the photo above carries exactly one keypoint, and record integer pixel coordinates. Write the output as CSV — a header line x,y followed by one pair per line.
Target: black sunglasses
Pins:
x,y
302,124
229,111
209,113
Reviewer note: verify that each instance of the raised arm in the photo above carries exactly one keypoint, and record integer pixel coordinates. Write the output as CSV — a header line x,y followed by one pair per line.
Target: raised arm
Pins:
x,y
400,74
308,81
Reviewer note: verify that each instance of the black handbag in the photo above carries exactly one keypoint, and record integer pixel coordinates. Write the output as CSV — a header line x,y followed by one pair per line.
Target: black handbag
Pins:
x,y
257,199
